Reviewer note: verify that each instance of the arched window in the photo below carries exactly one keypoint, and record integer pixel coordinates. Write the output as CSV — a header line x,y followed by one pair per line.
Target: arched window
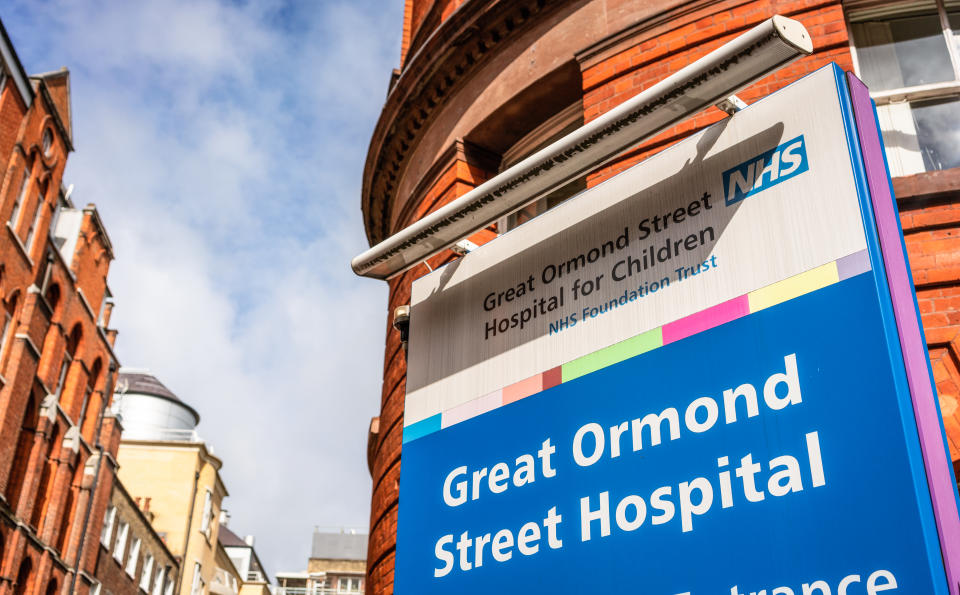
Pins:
x,y
35,220
53,296
46,480
90,410
21,194
7,326
24,577
73,341
21,456
73,344
94,373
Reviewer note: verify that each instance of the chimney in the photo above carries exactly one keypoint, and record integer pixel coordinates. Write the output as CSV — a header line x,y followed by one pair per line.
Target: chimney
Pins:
x,y
224,518
105,316
248,540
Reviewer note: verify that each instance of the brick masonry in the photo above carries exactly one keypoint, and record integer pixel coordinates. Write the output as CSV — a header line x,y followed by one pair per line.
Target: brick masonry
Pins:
x,y
57,438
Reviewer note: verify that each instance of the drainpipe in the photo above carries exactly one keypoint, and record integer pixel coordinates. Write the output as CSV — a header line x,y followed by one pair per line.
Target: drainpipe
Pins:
x,y
186,544
96,480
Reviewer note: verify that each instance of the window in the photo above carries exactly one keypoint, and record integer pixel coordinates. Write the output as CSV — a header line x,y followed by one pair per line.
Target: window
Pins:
x,y
121,543
168,589
147,574
37,213
158,582
9,308
95,588
908,53
15,214
133,558
348,585
57,210
108,520
47,142
197,587
207,514
62,378
552,129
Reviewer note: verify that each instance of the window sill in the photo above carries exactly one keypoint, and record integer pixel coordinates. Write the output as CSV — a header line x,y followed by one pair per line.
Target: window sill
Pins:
x,y
927,185
917,93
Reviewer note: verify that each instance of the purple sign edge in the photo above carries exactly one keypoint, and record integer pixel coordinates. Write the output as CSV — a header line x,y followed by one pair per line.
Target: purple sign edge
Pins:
x,y
938,468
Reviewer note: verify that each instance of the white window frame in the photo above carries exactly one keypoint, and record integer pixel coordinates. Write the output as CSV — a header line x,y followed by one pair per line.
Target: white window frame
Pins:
x,y
147,574
108,519
893,105
196,587
158,580
207,518
121,542
7,320
352,584
24,185
95,588
134,557
37,213
62,378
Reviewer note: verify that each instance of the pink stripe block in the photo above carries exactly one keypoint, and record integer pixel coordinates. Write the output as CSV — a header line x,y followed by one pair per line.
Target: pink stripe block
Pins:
x,y
522,389
706,319
470,409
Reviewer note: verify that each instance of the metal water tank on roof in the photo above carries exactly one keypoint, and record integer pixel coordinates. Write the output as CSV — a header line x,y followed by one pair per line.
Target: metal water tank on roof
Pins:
x,y
150,411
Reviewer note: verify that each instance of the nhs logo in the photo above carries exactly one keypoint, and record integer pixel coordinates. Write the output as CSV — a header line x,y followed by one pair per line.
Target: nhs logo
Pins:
x,y
765,170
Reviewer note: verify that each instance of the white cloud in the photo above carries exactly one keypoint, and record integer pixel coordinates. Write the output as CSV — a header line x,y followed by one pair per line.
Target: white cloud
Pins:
x,y
223,143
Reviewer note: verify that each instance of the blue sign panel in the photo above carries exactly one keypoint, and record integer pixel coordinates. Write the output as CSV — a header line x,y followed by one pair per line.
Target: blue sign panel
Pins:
x,y
685,465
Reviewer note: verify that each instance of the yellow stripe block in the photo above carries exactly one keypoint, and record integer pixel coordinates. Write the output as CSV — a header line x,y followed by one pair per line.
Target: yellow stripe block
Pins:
x,y
795,286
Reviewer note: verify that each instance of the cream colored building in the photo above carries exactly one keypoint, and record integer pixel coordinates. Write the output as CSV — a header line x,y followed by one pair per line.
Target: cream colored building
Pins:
x,y
163,459
337,564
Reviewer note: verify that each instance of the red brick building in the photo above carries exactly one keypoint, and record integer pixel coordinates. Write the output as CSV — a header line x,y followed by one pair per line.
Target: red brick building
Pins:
x,y
483,83
133,558
57,367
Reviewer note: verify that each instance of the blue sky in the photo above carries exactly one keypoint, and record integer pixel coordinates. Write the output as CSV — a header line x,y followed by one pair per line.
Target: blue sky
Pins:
x,y
223,143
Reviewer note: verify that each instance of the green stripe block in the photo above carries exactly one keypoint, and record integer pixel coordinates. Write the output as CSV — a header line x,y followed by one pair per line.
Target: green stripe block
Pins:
x,y
615,353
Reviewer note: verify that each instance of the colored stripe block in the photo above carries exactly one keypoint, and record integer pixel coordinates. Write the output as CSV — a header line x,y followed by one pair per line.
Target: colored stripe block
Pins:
x,y
611,355
473,408
552,377
795,286
853,265
705,319
421,428
522,389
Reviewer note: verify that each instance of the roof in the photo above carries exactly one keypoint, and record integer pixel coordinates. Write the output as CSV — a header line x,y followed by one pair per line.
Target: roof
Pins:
x,y
14,66
142,382
339,546
230,539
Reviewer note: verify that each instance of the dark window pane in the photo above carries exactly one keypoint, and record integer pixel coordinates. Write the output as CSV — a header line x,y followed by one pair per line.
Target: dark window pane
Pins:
x,y
903,52
938,132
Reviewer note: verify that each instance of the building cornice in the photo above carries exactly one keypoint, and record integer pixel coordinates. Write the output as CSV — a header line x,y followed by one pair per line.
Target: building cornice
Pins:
x,y
19,75
449,56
